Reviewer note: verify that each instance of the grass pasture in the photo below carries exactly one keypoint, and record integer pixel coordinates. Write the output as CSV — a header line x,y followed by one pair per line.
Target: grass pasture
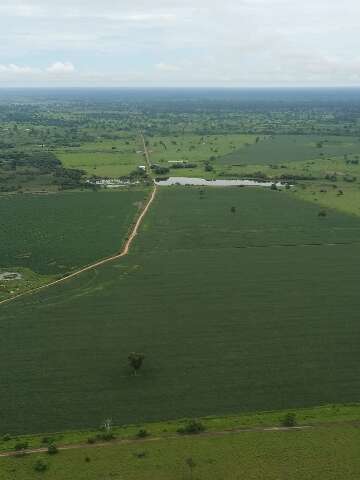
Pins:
x,y
284,149
244,311
322,453
48,235
106,158
195,149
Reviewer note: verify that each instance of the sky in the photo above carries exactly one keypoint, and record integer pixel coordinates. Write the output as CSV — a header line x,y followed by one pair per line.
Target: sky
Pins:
x,y
179,43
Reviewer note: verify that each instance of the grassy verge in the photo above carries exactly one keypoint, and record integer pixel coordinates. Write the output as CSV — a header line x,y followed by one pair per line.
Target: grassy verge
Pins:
x,y
327,414
328,451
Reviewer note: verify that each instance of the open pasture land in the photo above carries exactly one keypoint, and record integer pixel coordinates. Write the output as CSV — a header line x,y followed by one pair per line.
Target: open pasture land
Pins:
x,y
195,149
322,453
104,158
243,311
50,235
343,196
283,149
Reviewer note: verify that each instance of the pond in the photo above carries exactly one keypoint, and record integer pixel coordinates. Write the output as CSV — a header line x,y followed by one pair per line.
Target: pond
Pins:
x,y
214,183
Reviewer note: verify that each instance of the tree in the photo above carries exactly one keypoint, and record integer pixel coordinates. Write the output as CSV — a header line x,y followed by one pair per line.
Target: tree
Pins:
x,y
289,420
233,209
136,361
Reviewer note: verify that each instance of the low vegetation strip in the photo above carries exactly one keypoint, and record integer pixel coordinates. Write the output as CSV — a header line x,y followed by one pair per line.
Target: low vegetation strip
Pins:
x,y
298,454
258,421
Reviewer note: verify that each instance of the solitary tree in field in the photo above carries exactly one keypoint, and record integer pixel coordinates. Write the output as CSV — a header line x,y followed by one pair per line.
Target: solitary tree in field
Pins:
x,y
136,361
233,209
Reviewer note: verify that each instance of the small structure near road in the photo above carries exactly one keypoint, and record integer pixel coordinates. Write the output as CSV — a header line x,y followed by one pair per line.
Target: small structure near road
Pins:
x,y
10,276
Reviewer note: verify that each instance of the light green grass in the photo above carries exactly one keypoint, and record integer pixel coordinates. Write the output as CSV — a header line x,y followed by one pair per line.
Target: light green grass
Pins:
x,y
327,414
328,453
326,195
195,148
101,159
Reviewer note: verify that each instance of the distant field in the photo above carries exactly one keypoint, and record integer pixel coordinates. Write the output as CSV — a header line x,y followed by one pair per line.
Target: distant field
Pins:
x,y
194,148
322,453
107,158
280,149
50,235
243,311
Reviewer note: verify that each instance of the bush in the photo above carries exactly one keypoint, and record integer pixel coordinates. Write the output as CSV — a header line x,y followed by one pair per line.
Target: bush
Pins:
x,y
21,446
140,454
47,440
142,433
322,213
52,449
40,465
106,436
6,437
91,440
289,420
193,427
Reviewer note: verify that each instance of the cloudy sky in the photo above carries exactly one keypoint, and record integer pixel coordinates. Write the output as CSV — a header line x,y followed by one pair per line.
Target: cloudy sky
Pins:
x,y
179,42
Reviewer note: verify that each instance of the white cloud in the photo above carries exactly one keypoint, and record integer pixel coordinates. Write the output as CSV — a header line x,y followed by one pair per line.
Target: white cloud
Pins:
x,y
166,67
199,42
60,67
13,73
18,70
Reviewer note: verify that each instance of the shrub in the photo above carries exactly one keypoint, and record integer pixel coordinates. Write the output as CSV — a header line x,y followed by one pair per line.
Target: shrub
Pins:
x,y
21,446
191,428
322,213
106,436
40,465
140,454
6,437
47,440
142,433
52,449
91,440
289,420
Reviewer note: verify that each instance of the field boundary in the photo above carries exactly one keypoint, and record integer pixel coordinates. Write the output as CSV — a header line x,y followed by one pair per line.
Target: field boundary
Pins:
x,y
127,441
123,252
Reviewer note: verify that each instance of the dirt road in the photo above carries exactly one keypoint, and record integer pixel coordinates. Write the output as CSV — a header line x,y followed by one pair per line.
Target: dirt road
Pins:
x,y
124,251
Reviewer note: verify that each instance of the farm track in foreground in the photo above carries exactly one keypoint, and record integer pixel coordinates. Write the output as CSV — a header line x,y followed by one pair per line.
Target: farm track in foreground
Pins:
x,y
124,251
127,441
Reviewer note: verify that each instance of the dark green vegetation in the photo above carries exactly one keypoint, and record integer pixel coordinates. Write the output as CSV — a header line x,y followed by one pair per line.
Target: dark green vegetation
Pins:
x,y
321,453
241,311
51,235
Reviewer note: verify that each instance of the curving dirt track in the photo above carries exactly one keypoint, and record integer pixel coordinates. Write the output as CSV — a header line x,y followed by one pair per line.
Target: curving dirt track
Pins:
x,y
99,263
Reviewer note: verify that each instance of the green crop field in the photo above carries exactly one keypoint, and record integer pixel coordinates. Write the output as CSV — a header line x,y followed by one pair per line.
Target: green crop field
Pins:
x,y
281,149
49,235
241,311
322,453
